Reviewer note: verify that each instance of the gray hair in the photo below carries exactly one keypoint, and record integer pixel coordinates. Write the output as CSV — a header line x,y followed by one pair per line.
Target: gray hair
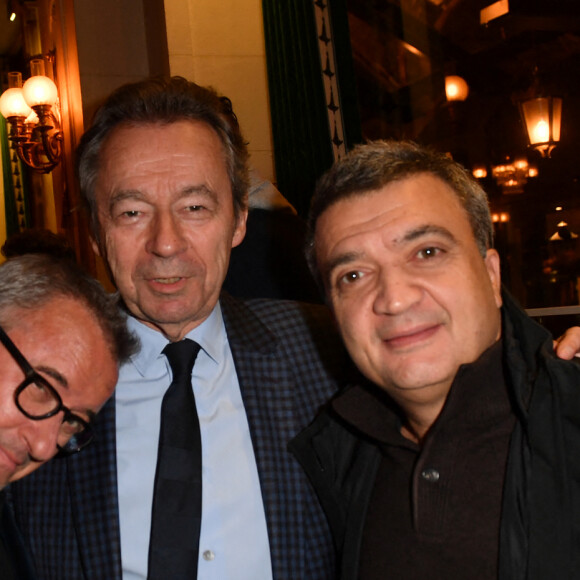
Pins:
x,y
31,281
371,166
162,101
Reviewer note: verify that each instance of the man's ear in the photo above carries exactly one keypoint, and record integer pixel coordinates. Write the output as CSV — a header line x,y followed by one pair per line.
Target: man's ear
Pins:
x,y
95,246
240,229
492,264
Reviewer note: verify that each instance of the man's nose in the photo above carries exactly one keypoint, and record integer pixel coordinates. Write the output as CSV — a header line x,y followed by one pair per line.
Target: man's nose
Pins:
x,y
42,437
397,292
166,236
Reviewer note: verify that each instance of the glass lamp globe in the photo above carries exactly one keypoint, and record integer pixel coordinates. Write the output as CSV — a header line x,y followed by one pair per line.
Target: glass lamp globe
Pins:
x,y
12,104
40,90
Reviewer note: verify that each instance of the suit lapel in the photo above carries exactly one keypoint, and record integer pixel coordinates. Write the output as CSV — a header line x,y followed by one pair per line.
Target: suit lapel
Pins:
x,y
95,511
268,390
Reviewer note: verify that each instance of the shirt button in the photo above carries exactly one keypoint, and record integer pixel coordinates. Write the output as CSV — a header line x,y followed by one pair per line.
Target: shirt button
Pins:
x,y
208,556
431,475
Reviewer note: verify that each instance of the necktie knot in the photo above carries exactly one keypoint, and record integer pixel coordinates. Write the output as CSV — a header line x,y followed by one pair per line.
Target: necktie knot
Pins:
x,y
181,356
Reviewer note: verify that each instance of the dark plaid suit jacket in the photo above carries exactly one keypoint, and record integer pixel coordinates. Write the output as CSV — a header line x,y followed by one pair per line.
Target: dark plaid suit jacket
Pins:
x,y
289,361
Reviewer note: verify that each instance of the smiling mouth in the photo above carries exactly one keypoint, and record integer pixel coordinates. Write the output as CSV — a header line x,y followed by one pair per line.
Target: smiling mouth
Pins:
x,y
411,338
167,280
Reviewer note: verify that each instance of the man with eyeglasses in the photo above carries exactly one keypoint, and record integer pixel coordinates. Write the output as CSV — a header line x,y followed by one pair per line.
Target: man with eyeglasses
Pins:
x,y
61,341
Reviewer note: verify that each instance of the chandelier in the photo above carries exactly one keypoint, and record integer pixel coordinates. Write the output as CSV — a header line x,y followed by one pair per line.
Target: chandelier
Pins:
x,y
511,176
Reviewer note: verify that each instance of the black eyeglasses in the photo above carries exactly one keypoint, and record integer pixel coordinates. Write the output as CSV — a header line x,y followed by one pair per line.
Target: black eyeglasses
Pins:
x,y
37,399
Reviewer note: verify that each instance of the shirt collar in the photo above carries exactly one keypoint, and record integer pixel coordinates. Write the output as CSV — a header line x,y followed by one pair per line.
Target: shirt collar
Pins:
x,y
210,335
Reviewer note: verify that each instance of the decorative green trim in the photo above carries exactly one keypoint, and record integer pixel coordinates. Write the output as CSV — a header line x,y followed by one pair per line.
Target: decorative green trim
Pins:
x,y
302,148
303,137
10,211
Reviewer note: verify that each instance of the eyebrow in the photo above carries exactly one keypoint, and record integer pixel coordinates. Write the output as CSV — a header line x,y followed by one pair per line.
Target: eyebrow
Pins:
x,y
202,189
425,230
53,374
410,236
340,260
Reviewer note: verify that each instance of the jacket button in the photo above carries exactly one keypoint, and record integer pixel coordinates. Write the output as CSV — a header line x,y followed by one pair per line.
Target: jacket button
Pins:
x,y
431,475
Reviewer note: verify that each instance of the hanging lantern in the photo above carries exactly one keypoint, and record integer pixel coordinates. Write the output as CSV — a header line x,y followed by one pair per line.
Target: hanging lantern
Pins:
x,y
542,117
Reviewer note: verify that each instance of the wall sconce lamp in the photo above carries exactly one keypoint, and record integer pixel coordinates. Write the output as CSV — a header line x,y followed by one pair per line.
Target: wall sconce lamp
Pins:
x,y
33,116
543,118
500,218
456,89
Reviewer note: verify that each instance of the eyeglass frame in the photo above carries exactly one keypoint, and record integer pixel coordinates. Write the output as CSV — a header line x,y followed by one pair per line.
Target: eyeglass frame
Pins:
x,y
33,376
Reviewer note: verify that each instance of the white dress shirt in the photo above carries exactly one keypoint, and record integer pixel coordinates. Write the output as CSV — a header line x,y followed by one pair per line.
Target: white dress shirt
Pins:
x,y
234,538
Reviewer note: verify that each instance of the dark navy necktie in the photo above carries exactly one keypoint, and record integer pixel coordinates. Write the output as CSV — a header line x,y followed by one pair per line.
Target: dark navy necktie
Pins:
x,y
176,518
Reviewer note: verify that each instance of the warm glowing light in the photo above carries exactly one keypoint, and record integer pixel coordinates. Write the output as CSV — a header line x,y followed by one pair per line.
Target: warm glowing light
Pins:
x,y
540,133
412,49
493,11
543,118
456,89
559,208
12,16
502,217
479,172
40,90
35,131
12,104
512,176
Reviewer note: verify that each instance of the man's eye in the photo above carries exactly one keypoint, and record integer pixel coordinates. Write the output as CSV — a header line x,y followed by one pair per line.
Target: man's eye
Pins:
x,y
427,253
71,426
350,277
38,392
130,213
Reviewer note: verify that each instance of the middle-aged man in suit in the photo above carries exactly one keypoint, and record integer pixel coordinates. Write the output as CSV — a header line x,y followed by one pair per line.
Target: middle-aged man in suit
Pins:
x,y
460,458
61,338
164,173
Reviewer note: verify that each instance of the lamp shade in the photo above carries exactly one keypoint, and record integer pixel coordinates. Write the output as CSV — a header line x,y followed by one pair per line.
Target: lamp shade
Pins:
x,y
543,119
12,104
456,89
40,90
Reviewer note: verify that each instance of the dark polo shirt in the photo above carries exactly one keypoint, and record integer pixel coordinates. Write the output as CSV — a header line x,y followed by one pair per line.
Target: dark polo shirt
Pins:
x,y
435,508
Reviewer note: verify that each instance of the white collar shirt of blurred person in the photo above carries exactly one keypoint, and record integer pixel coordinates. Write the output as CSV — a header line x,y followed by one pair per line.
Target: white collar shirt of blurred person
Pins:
x,y
233,538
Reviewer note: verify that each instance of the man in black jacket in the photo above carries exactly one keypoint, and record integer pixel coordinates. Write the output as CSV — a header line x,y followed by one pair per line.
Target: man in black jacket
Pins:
x,y
61,339
459,458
